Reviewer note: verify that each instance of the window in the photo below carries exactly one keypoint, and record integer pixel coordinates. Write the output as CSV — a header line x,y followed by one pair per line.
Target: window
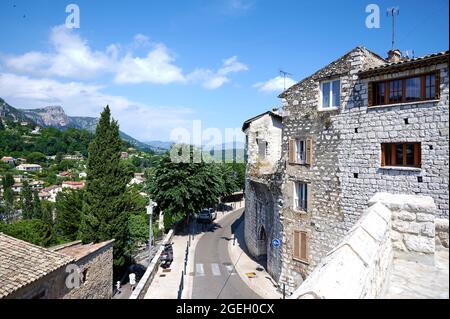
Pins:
x,y
395,91
262,148
300,246
300,151
331,94
401,154
379,93
300,196
430,86
416,88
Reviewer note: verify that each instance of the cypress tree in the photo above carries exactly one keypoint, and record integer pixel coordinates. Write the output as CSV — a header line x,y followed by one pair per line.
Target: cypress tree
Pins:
x,y
104,213
69,205
37,207
27,201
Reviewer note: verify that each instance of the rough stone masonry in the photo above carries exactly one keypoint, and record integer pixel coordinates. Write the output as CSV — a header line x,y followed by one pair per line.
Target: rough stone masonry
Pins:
x,y
345,169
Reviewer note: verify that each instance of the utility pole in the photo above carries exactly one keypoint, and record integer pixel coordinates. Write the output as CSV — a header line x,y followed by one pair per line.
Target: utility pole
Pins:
x,y
150,207
393,12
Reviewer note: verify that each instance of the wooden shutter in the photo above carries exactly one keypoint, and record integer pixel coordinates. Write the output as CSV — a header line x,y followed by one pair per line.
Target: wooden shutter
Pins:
x,y
303,246
291,150
309,151
300,246
370,93
296,251
438,84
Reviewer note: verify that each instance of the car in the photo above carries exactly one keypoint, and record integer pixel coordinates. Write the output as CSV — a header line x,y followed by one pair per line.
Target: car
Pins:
x,y
206,215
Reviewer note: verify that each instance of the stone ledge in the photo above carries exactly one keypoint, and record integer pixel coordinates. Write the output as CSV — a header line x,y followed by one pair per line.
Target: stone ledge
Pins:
x,y
410,203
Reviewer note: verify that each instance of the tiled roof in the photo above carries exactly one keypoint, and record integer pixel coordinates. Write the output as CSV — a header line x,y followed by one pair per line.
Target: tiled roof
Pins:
x,y
78,250
430,58
22,263
271,113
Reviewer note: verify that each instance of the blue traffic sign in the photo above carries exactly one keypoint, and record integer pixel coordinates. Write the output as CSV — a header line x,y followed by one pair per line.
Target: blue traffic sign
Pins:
x,y
276,243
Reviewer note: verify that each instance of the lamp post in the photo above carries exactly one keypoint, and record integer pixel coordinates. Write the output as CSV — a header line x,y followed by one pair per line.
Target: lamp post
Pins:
x,y
150,207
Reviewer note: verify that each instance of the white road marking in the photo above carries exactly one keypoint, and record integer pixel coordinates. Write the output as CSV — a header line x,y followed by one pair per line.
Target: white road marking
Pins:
x,y
215,269
230,269
199,271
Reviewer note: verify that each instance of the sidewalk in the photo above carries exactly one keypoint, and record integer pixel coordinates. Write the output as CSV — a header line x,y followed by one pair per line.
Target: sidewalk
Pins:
x,y
262,283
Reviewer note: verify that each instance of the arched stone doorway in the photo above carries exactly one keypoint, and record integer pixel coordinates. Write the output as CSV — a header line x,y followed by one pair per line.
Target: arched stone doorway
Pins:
x,y
262,246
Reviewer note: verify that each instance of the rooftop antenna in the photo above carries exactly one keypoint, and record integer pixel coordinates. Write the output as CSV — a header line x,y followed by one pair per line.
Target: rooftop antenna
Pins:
x,y
393,11
284,74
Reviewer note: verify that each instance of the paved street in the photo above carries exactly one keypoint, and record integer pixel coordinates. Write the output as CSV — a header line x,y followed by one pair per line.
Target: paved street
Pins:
x,y
214,276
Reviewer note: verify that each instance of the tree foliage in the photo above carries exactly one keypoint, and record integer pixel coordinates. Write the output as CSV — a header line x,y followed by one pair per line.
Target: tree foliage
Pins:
x,y
34,231
69,205
105,211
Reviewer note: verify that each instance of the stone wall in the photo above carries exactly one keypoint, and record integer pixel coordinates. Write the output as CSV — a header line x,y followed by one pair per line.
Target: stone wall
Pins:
x,y
346,169
441,233
360,265
143,284
324,221
97,275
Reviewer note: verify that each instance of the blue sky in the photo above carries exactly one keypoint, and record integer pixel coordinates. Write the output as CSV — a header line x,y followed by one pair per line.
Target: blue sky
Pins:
x,y
162,64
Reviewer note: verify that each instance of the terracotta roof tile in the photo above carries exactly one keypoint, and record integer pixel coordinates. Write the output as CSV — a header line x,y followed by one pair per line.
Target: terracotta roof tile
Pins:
x,y
22,263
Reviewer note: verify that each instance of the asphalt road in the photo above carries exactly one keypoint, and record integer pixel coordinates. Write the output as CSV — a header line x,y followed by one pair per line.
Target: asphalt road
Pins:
x,y
214,274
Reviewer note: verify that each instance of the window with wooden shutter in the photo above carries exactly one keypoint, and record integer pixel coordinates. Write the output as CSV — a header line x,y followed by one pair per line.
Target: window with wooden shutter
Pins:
x,y
309,151
438,85
370,93
300,246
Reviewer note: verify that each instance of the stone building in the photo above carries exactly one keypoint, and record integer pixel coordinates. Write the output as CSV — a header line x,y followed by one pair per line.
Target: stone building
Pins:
x,y
262,220
28,271
360,125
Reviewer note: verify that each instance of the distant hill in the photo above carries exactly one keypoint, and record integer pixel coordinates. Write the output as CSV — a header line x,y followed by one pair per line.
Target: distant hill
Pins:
x,y
55,116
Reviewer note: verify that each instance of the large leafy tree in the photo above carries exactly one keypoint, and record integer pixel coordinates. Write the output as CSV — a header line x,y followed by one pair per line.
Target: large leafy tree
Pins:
x,y
104,214
34,231
184,188
26,201
37,206
8,210
8,180
69,205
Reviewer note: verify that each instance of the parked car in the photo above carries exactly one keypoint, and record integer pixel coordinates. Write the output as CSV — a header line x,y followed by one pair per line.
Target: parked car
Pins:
x,y
207,215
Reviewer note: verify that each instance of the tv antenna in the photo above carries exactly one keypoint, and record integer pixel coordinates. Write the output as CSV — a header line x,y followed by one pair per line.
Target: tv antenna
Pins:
x,y
284,74
393,11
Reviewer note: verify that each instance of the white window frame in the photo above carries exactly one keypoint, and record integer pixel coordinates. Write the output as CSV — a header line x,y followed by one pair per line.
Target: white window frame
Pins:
x,y
329,107
296,205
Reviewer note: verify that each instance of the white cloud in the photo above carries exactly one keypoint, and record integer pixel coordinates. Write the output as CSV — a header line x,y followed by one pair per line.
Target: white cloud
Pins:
x,y
212,80
144,122
156,67
71,57
277,84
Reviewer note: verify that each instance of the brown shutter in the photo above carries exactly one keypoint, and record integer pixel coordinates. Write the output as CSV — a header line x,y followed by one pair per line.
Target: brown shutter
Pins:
x,y
291,150
296,248
370,93
438,84
309,151
303,246
383,154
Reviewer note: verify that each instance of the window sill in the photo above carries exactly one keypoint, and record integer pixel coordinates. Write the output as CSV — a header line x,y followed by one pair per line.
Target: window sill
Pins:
x,y
298,164
331,109
403,104
402,168
301,261
300,211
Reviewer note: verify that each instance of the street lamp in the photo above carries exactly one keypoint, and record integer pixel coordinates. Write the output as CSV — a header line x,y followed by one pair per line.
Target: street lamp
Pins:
x,y
150,207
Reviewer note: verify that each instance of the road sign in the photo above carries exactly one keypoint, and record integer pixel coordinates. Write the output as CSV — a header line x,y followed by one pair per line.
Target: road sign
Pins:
x,y
276,243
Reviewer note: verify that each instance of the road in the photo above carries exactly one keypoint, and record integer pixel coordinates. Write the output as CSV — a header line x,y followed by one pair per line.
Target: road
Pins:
x,y
214,274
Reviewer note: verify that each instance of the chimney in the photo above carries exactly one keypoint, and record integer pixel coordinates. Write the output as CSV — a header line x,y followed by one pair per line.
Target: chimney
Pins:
x,y
394,55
